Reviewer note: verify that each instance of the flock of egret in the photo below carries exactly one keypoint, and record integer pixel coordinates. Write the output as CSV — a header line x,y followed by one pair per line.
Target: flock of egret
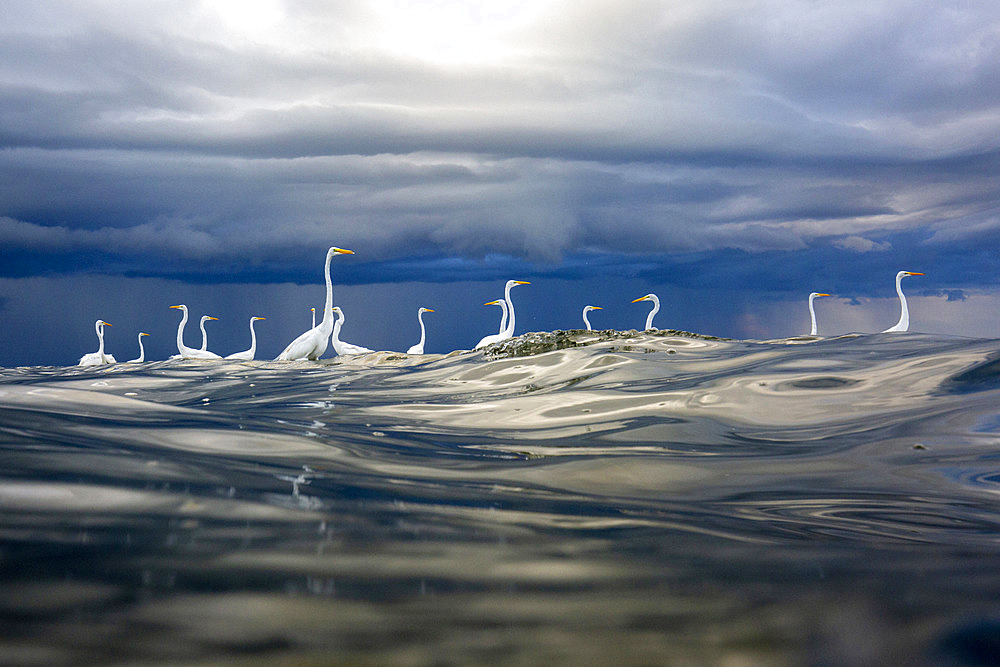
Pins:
x,y
312,344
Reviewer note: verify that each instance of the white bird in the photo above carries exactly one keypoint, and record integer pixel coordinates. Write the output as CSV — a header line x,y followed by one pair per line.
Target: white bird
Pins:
x,y
342,347
314,316
654,311
204,336
812,311
419,347
98,358
499,336
183,351
587,309
508,331
142,351
312,344
248,355
904,314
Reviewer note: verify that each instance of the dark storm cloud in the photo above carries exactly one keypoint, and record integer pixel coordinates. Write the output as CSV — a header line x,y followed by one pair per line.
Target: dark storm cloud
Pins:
x,y
695,142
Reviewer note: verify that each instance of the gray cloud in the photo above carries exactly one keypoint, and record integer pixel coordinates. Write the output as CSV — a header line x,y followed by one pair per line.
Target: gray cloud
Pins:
x,y
169,135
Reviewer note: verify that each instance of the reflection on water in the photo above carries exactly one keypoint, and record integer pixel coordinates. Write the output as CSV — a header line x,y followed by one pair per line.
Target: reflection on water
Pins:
x,y
643,499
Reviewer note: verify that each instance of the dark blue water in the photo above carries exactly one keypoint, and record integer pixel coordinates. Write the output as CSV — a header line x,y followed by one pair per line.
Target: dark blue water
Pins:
x,y
633,500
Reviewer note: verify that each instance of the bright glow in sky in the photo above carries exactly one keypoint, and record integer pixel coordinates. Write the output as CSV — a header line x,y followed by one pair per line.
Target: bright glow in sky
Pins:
x,y
250,18
452,33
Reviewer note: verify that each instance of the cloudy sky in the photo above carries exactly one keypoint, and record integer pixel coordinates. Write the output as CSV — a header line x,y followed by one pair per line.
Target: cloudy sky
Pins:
x,y
730,155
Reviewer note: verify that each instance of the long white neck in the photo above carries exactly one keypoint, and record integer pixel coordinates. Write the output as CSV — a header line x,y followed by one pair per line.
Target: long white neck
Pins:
x,y
420,318
142,351
337,326
314,317
503,318
586,322
812,314
99,328
654,311
253,338
904,312
509,331
327,323
204,336
180,331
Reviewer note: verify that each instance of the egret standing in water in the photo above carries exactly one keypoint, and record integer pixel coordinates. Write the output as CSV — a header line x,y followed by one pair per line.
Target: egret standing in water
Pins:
x,y
508,331
312,344
812,311
248,355
98,358
654,311
419,347
904,314
587,309
498,336
340,346
142,351
183,351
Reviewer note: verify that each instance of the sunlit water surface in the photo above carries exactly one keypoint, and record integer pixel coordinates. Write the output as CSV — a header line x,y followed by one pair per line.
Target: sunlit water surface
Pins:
x,y
645,499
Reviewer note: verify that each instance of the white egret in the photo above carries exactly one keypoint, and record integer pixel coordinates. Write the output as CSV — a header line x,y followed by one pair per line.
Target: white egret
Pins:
x,y
419,347
183,351
342,347
508,305
904,314
812,311
142,351
509,331
654,311
493,338
314,317
312,344
100,357
248,355
587,309
204,336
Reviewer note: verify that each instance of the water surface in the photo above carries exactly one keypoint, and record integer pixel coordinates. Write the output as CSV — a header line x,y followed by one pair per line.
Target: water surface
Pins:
x,y
629,498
